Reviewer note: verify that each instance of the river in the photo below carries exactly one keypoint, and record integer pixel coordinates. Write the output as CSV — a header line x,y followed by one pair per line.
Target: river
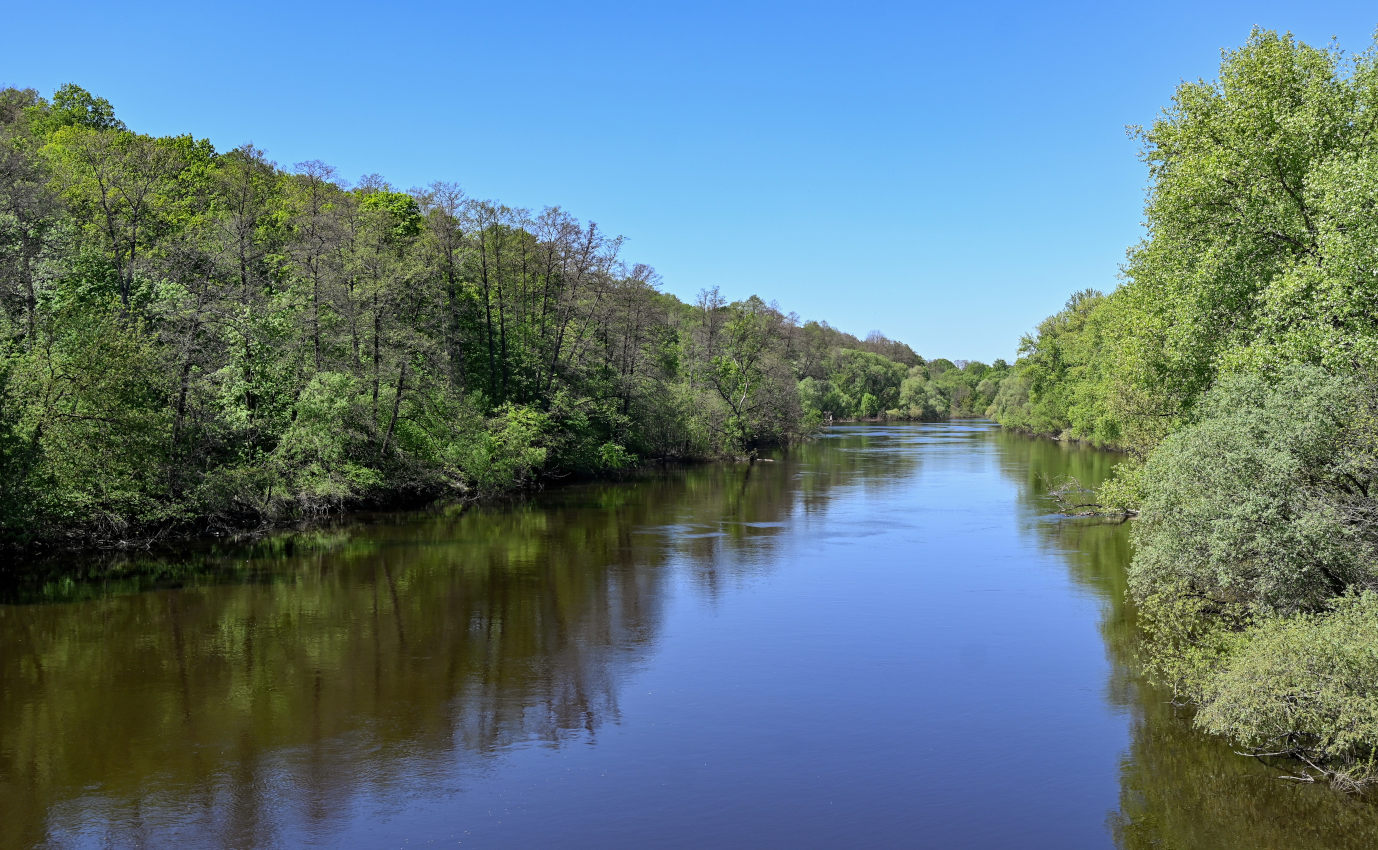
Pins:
x,y
885,637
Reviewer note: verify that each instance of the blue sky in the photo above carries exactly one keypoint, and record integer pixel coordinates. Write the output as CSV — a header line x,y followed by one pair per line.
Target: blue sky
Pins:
x,y
946,173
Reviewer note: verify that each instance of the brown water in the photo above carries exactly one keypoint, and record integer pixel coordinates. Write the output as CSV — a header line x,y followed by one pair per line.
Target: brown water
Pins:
x,y
884,638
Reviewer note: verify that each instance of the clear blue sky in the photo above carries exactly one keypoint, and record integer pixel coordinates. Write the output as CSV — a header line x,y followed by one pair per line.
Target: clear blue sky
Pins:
x,y
945,173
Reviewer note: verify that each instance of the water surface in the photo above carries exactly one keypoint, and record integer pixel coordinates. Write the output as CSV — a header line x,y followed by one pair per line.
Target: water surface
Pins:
x,y
884,638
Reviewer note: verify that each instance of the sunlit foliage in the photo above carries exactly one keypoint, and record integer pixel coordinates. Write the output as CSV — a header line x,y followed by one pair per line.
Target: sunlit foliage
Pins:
x,y
1237,363
193,338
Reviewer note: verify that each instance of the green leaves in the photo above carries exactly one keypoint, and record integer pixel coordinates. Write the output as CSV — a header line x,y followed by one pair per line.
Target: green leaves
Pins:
x,y
402,213
318,457
194,336
74,106
1239,358
1261,252
510,453
1305,686
1251,505
1257,180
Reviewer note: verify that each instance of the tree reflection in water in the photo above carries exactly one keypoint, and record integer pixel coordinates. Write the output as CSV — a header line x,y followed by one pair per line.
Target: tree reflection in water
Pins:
x,y
1179,788
275,683
267,695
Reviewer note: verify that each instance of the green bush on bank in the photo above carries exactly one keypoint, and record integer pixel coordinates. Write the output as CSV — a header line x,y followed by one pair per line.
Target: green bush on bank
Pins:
x,y
1187,639
510,452
1260,503
1255,553
1305,686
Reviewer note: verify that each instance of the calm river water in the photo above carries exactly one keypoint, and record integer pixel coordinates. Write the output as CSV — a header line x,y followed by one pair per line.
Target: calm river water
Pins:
x,y
883,638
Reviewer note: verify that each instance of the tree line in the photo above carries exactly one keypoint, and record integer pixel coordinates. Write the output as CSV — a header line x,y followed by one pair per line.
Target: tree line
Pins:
x,y
192,338
1237,364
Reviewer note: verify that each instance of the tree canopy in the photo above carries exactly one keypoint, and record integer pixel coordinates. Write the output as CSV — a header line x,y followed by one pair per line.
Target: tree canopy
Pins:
x,y
193,338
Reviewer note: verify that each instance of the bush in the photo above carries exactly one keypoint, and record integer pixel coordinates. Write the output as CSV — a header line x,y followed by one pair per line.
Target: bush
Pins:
x,y
316,456
1123,492
511,453
1305,686
1262,502
869,408
1187,640
612,457
917,399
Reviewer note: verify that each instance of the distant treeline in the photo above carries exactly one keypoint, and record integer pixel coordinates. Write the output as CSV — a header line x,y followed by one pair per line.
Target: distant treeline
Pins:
x,y
1238,364
192,338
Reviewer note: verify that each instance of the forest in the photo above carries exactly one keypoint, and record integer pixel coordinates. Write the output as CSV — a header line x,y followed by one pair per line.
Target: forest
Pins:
x,y
1237,365
194,340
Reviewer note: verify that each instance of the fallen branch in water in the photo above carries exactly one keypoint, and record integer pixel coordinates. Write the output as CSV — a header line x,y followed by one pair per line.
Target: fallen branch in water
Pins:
x,y
1071,488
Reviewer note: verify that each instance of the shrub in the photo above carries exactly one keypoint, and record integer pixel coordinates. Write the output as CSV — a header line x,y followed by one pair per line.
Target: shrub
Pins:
x,y
1305,686
316,456
1187,640
1262,501
510,453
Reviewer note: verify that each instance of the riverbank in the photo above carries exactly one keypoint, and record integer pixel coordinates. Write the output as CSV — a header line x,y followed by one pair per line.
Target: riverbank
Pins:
x,y
118,535
1239,363
210,531
257,346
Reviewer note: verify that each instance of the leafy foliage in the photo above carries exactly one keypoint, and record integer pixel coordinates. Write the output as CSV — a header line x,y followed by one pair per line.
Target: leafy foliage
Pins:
x,y
1263,501
193,337
1237,363
1306,686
